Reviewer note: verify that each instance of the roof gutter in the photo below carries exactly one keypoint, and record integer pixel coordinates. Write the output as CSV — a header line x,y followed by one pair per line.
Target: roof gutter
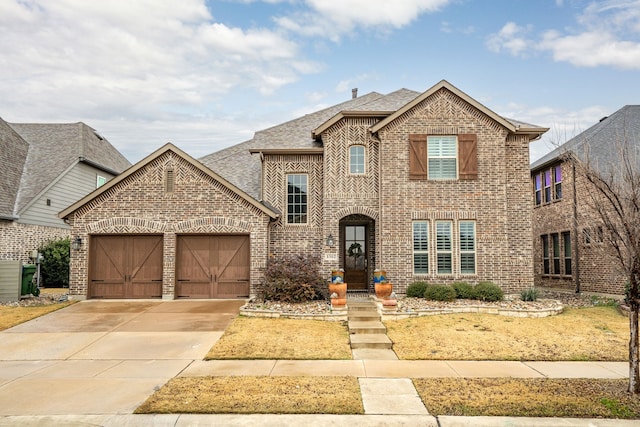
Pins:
x,y
9,217
98,166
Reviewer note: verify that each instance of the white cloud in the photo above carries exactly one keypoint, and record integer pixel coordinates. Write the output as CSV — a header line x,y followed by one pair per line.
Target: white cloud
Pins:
x,y
133,58
332,19
608,34
510,38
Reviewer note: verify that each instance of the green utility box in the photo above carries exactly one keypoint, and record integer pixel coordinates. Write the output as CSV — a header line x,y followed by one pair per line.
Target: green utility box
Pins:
x,y
28,270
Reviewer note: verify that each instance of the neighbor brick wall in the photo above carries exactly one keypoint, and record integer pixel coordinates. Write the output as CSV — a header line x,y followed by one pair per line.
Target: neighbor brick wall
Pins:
x,y
140,205
18,240
599,271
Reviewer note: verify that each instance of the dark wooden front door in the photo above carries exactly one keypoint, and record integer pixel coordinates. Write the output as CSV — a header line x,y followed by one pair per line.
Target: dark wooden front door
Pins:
x,y
355,256
212,266
125,266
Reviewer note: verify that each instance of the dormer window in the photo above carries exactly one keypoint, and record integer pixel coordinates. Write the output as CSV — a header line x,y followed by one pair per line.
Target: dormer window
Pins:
x,y
357,160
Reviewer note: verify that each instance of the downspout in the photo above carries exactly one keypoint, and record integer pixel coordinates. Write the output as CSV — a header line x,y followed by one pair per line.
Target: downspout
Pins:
x,y
576,240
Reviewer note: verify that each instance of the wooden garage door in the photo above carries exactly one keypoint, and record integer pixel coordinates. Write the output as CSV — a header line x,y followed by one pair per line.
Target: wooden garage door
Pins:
x,y
125,266
212,266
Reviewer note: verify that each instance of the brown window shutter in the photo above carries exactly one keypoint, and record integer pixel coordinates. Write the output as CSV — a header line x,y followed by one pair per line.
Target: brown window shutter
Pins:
x,y
468,152
418,156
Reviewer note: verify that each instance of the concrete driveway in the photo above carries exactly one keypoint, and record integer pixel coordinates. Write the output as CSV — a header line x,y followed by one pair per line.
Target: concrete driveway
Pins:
x,y
104,357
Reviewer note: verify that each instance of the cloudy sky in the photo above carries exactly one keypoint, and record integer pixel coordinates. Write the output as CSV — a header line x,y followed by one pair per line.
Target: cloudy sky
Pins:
x,y
208,74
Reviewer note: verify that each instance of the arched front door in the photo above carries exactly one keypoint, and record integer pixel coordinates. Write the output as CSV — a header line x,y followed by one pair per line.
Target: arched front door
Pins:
x,y
356,250
355,256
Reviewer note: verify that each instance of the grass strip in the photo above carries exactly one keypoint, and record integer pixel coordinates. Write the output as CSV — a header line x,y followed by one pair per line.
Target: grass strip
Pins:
x,y
578,334
530,397
259,338
12,316
256,395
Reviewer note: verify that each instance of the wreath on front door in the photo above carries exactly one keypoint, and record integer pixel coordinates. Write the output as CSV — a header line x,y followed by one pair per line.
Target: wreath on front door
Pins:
x,y
355,250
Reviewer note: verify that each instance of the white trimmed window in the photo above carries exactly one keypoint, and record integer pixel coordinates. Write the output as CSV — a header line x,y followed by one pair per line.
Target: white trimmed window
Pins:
x,y
442,152
357,164
444,247
297,207
421,247
100,180
467,247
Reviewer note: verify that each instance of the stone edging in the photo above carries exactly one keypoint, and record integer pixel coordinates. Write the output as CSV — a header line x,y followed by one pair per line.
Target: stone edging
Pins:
x,y
336,315
392,314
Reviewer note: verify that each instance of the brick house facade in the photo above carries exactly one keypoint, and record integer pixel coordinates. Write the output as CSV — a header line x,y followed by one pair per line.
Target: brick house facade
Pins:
x,y
427,186
570,249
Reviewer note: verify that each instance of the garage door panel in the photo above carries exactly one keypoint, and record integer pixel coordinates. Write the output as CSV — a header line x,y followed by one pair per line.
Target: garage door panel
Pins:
x,y
212,266
125,266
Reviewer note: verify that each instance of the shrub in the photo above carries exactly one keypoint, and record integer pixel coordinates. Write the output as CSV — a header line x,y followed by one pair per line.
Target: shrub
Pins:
x,y
416,289
464,290
440,293
530,294
293,279
54,269
489,291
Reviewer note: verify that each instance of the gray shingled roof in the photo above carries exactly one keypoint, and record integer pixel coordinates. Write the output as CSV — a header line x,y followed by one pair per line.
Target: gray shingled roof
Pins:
x,y
242,169
53,148
600,141
13,154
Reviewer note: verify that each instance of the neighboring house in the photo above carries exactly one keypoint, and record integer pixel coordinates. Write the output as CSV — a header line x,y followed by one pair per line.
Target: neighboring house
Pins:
x,y
569,241
428,186
44,168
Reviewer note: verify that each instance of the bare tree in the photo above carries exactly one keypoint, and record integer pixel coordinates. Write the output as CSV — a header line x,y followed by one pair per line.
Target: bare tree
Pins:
x,y
614,196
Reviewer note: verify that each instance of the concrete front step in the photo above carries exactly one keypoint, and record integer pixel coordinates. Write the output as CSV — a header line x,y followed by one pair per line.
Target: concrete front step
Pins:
x,y
370,341
363,317
367,327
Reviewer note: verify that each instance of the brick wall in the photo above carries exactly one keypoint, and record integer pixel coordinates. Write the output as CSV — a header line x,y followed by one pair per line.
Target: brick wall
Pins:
x,y
502,216
593,262
18,240
498,201
140,204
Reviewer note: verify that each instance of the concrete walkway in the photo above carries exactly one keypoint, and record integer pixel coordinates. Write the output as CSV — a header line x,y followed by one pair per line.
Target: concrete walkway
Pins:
x,y
94,362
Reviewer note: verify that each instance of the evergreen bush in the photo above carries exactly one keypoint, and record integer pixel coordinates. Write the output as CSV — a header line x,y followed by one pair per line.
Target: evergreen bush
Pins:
x,y
464,290
489,291
54,269
416,289
440,293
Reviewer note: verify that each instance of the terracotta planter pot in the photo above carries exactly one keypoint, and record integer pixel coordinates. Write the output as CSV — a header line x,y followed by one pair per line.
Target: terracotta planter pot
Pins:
x,y
383,289
339,289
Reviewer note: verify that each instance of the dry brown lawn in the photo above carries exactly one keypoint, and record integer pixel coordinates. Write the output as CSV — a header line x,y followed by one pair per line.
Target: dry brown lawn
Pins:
x,y
12,316
259,338
256,395
531,397
595,333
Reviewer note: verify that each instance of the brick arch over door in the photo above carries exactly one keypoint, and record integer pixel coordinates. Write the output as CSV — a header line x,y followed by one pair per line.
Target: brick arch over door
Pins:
x,y
356,210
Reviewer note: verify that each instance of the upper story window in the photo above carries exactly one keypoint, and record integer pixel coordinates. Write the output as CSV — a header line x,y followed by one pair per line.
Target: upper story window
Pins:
x,y
357,160
548,185
442,152
443,157
100,180
297,207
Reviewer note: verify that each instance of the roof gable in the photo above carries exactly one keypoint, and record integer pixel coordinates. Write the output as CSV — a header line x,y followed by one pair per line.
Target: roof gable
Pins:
x,y
511,126
150,158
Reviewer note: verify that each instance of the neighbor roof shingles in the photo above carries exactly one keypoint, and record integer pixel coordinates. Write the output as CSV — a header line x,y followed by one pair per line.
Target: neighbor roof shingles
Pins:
x,y
13,154
600,143
55,147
